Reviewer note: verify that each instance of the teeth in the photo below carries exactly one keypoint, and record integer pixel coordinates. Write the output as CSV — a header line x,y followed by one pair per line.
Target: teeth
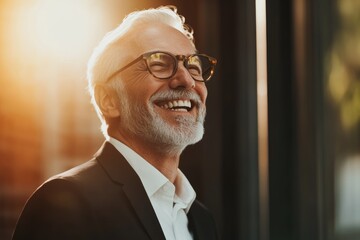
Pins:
x,y
177,105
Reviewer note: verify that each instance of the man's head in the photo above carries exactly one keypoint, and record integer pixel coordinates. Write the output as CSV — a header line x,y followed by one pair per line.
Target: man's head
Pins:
x,y
147,80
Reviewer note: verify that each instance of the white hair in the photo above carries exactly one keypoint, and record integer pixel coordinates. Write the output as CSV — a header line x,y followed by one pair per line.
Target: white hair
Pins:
x,y
106,57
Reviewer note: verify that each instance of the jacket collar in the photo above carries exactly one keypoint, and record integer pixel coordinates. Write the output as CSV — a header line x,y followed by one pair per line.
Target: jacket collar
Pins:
x,y
201,222
120,172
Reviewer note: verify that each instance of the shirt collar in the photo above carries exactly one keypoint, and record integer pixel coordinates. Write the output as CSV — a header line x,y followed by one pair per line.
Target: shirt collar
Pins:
x,y
152,179
185,193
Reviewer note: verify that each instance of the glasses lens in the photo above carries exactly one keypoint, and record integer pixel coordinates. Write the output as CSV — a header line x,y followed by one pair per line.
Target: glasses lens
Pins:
x,y
201,67
161,65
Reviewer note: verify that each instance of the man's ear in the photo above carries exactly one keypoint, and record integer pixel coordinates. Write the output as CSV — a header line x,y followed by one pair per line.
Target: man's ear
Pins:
x,y
106,101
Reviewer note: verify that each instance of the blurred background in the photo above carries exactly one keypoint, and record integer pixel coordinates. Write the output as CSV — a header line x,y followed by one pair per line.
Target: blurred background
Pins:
x,y
280,159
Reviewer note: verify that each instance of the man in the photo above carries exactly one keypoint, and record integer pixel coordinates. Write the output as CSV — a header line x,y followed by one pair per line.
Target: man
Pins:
x,y
147,83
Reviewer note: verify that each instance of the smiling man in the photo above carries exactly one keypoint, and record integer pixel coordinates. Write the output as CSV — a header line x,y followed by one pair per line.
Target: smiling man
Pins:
x,y
147,83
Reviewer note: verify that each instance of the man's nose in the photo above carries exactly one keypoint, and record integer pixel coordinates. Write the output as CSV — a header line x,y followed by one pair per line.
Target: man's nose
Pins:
x,y
182,78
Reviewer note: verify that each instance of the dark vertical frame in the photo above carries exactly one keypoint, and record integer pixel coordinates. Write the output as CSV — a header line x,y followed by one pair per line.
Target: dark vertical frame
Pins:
x,y
295,132
281,135
300,205
314,182
307,181
324,23
301,174
239,116
301,170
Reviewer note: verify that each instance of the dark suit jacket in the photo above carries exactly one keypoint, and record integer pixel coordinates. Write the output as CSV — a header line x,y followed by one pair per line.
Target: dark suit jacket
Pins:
x,y
100,199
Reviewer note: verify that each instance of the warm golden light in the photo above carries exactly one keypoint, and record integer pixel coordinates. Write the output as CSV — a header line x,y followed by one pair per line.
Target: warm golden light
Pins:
x,y
262,107
45,113
46,44
47,123
56,28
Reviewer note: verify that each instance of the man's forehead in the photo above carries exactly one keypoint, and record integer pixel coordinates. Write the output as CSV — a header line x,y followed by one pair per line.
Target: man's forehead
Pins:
x,y
150,37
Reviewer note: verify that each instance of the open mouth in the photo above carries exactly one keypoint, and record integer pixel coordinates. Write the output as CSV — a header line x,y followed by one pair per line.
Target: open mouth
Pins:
x,y
176,105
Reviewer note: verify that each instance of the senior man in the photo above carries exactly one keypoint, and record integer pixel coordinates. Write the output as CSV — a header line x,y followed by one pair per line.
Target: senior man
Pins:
x,y
147,83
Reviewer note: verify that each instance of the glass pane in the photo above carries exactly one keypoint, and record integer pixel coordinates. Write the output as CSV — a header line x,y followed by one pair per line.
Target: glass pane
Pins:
x,y
342,117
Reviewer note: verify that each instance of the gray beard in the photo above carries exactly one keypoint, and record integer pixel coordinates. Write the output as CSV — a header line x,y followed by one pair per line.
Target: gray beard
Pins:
x,y
143,121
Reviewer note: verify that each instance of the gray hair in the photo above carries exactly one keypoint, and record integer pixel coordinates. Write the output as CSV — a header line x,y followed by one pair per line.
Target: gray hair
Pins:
x,y
105,58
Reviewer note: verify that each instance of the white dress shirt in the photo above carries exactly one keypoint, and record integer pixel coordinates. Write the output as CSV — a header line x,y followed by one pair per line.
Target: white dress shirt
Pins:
x,y
171,202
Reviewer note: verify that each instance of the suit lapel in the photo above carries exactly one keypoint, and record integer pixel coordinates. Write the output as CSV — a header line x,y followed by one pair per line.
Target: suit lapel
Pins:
x,y
201,223
119,170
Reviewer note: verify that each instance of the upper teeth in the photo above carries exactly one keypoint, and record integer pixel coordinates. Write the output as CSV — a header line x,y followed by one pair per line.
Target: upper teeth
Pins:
x,y
177,104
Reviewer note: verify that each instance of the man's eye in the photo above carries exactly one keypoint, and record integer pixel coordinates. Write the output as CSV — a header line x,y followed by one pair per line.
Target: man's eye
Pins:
x,y
158,66
195,70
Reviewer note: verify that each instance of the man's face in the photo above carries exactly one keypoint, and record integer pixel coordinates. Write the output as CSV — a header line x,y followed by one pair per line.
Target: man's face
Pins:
x,y
165,112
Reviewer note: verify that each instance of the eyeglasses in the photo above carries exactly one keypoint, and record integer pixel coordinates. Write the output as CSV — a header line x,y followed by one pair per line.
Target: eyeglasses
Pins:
x,y
163,65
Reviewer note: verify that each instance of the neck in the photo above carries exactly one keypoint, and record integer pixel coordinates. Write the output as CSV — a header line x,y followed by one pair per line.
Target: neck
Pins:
x,y
167,163
164,158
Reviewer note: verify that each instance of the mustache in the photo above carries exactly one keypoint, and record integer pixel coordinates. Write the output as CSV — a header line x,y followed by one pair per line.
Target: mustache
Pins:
x,y
176,94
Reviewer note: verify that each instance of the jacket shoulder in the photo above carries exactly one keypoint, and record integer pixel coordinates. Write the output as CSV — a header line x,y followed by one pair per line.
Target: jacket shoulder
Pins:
x,y
55,203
